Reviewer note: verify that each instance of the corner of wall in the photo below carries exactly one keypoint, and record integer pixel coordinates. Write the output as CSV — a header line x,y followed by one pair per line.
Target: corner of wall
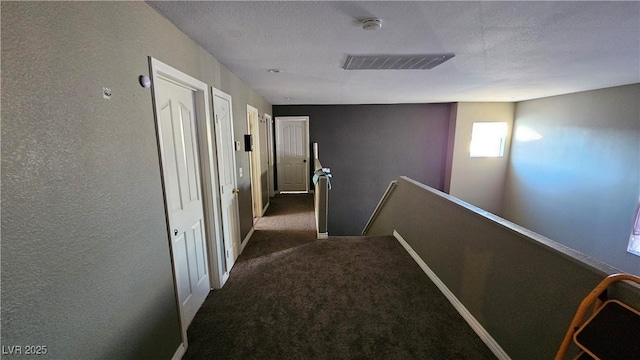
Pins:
x,y
479,181
453,114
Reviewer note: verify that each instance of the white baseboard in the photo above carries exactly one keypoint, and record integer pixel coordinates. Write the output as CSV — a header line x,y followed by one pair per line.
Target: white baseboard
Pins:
x,y
179,352
320,235
491,343
264,210
245,241
223,279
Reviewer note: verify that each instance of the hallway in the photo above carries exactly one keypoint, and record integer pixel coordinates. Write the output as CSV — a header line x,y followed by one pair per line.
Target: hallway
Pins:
x,y
291,296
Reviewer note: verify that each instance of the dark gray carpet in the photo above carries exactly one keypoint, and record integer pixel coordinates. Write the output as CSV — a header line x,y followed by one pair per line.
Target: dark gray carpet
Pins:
x,y
290,296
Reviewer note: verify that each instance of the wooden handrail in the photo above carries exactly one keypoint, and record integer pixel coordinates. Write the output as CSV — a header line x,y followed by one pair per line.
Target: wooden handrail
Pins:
x,y
385,196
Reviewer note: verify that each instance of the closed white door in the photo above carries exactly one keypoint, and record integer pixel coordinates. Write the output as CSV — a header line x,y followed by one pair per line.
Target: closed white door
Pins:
x,y
292,153
227,174
183,192
254,160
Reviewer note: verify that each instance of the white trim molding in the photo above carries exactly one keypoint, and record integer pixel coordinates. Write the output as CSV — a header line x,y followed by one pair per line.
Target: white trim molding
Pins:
x,y
180,351
491,343
246,239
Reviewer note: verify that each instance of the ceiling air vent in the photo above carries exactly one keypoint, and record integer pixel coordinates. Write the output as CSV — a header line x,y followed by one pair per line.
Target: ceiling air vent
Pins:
x,y
395,62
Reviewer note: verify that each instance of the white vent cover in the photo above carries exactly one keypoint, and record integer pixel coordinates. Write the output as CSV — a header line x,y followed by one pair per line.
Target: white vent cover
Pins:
x,y
395,62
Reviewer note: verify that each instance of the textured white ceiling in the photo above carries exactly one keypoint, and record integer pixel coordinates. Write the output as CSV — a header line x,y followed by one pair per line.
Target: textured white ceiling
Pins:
x,y
505,51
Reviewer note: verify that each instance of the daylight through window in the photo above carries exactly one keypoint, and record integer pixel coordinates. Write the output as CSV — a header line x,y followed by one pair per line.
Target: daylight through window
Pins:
x,y
488,139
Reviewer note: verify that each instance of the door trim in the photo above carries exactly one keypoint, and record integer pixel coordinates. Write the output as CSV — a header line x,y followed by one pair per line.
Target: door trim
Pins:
x,y
270,154
305,119
160,70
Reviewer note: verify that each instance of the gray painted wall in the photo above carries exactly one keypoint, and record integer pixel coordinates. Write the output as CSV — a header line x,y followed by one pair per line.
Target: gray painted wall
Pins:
x,y
367,146
579,184
85,257
523,289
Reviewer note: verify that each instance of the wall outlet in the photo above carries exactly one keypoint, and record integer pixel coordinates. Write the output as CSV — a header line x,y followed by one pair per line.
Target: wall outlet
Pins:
x,y
240,172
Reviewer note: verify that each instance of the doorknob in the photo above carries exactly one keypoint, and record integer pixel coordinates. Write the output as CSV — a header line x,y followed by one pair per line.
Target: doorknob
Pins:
x,y
175,231
236,191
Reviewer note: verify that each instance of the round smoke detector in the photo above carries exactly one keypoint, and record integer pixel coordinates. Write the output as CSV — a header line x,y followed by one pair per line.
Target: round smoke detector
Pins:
x,y
371,24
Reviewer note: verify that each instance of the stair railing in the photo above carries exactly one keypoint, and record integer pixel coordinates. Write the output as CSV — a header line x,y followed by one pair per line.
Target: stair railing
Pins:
x,y
321,180
385,196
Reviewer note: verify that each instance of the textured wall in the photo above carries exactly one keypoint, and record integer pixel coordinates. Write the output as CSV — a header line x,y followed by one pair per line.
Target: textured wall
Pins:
x,y
479,181
579,183
367,146
85,258
523,288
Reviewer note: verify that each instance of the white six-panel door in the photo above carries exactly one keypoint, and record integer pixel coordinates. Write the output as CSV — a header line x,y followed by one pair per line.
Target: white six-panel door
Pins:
x,y
292,153
222,106
253,124
183,192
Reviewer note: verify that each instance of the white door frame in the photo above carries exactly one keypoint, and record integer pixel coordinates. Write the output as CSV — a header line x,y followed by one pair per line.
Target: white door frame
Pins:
x,y
270,155
306,147
235,243
254,162
208,170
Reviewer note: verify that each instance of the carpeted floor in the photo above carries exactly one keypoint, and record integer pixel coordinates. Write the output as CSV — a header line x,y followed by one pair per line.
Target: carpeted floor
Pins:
x,y
291,296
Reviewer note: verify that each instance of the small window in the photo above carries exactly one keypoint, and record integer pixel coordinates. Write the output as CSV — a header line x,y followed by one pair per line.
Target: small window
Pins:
x,y
488,139
634,240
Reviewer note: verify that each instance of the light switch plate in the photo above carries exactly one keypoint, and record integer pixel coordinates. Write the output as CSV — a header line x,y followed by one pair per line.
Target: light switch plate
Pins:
x,y
238,145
